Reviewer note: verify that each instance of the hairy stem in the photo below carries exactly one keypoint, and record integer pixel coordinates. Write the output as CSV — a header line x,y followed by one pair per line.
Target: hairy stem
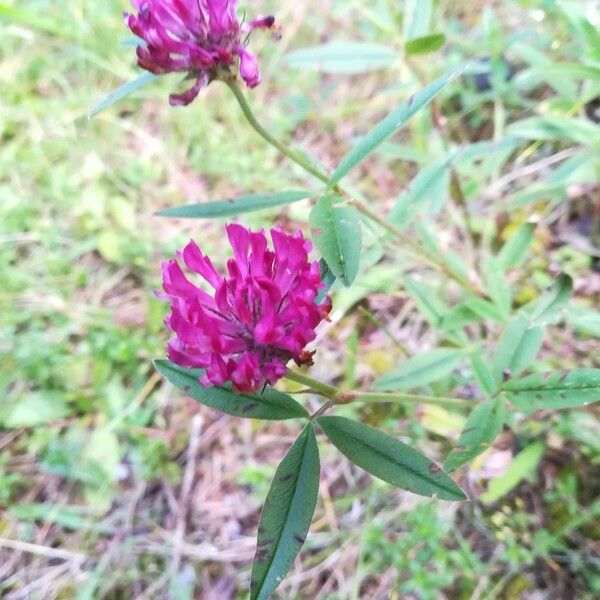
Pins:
x,y
335,396
410,398
323,389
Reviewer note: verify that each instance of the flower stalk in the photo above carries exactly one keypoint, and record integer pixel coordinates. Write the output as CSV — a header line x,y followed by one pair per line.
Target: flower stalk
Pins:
x,y
289,152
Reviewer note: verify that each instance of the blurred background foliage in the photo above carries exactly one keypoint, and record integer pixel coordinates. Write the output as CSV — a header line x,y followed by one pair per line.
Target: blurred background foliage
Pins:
x,y
111,484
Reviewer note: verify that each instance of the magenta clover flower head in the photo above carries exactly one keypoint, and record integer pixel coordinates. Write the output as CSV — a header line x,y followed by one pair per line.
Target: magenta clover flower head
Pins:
x,y
199,37
256,318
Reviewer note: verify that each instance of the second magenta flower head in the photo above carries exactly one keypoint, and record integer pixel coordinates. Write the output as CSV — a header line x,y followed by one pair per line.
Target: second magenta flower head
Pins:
x,y
199,37
256,319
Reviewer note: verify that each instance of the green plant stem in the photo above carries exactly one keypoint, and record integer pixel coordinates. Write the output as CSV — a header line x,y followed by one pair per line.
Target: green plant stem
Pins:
x,y
291,154
410,398
415,248
322,410
296,157
335,396
328,391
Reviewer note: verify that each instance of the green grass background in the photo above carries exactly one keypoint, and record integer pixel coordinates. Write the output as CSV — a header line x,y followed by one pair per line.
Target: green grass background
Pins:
x,y
94,449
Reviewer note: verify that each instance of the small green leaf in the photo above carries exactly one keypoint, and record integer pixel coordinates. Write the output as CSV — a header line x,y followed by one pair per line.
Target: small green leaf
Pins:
x,y
286,514
429,186
498,286
327,279
554,391
433,309
390,460
421,370
513,253
425,44
234,206
482,427
483,308
454,261
457,317
417,18
337,233
388,126
569,70
483,374
549,306
76,518
271,404
342,57
122,92
35,19
522,465
517,347
33,409
555,128
583,319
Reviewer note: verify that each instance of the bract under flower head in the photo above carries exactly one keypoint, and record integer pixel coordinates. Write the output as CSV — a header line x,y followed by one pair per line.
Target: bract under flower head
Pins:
x,y
194,36
256,318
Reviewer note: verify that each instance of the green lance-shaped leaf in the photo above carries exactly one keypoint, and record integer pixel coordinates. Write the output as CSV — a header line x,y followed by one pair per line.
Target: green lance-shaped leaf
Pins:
x,y
550,305
427,301
388,126
522,337
342,57
498,286
555,128
234,206
44,21
568,70
513,252
327,280
484,374
429,186
417,18
122,92
518,346
583,319
425,44
286,514
553,391
522,466
421,370
387,458
482,427
337,233
270,404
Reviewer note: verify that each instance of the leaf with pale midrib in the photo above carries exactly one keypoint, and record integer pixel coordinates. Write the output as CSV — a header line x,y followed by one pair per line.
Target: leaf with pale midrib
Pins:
x,y
554,390
389,459
270,404
480,430
235,206
337,233
286,515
